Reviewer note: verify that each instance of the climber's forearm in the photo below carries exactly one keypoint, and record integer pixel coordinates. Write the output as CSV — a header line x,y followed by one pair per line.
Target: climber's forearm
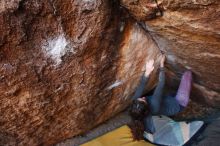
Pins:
x,y
158,93
149,67
140,88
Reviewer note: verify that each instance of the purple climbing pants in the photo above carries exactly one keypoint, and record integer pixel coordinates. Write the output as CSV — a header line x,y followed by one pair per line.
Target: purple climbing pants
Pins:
x,y
184,89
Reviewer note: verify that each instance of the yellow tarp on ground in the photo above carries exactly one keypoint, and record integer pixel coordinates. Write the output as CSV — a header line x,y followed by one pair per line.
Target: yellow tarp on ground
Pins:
x,y
119,137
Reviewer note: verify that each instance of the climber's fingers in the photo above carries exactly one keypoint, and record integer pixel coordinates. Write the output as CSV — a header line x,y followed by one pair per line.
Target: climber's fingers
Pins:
x,y
149,67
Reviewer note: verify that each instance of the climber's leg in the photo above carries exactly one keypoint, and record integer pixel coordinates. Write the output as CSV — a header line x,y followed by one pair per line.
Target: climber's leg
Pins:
x,y
170,106
184,89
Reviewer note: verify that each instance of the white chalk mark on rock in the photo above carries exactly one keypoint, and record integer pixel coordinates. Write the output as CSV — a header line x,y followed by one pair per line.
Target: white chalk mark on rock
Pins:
x,y
116,84
122,26
188,67
56,48
208,55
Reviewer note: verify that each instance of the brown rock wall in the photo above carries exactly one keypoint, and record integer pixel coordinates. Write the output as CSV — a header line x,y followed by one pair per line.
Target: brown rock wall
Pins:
x,y
189,34
56,60
67,66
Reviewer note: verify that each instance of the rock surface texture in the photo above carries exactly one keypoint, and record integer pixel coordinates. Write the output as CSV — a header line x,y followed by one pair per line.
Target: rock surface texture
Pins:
x,y
66,66
189,33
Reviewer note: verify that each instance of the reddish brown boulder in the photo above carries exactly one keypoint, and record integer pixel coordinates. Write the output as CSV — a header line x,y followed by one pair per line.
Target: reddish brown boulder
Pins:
x,y
67,66
189,33
56,60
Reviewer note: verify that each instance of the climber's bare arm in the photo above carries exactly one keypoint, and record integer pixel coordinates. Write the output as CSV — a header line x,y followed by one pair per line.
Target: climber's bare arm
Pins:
x,y
158,93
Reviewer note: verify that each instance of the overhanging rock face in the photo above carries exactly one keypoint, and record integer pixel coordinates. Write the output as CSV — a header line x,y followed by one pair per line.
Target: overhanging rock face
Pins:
x,y
189,33
67,66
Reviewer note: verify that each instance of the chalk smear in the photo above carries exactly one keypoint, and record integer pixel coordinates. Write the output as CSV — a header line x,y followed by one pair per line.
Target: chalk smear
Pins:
x,y
115,84
56,48
207,54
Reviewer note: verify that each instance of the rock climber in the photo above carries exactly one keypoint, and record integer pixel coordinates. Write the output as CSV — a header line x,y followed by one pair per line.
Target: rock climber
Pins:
x,y
146,112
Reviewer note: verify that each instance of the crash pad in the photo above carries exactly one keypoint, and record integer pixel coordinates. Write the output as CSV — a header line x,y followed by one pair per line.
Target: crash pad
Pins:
x,y
172,133
119,137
